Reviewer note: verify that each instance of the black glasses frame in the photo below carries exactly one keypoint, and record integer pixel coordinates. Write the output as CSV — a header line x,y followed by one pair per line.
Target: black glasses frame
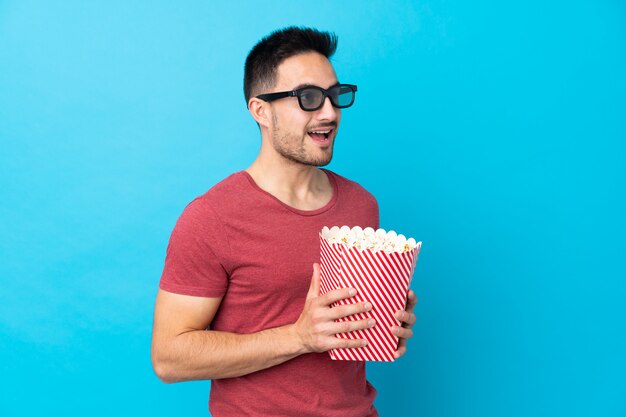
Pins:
x,y
325,93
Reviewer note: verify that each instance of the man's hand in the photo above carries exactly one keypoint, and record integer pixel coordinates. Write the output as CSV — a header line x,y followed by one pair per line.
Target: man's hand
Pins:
x,y
408,319
316,327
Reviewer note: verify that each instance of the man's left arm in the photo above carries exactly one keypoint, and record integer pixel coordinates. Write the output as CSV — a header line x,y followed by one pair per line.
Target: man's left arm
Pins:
x,y
407,318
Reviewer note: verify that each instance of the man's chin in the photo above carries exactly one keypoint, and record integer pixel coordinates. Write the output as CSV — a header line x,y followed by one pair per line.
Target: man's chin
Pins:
x,y
322,160
316,162
324,163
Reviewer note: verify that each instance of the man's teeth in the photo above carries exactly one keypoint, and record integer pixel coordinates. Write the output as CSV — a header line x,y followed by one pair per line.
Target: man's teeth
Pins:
x,y
321,132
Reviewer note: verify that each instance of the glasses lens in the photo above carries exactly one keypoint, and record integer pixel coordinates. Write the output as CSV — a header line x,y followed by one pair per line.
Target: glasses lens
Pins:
x,y
311,98
342,95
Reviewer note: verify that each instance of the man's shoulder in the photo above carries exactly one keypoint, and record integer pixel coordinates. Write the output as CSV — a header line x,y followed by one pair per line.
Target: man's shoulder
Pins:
x,y
232,184
221,195
346,185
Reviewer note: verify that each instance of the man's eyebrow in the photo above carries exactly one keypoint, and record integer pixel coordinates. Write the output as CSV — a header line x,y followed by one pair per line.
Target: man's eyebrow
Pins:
x,y
299,86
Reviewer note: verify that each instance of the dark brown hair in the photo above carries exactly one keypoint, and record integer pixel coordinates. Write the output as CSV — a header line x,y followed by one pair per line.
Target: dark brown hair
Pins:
x,y
265,57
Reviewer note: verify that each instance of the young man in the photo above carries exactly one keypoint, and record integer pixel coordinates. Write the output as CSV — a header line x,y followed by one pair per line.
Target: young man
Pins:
x,y
237,303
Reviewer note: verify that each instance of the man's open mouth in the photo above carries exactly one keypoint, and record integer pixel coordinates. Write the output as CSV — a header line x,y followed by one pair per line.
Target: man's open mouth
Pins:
x,y
320,134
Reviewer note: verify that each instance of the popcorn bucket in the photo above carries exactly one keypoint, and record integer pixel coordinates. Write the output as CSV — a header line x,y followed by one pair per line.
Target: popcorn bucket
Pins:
x,y
380,266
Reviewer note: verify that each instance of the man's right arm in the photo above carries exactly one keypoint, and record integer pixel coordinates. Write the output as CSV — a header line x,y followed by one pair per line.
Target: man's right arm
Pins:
x,y
183,350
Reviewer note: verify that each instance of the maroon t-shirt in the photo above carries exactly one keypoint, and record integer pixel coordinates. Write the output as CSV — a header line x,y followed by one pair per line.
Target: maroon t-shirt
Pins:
x,y
241,243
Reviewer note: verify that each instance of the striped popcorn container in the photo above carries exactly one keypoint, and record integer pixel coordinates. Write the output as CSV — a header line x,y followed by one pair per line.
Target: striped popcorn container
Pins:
x,y
380,266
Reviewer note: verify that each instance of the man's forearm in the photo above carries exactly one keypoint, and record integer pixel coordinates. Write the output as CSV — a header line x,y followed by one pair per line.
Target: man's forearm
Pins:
x,y
208,354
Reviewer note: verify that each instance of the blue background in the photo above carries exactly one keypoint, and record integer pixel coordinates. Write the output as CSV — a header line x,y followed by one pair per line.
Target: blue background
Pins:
x,y
492,131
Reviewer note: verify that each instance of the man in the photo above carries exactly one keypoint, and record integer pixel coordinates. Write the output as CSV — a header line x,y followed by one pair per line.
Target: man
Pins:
x,y
237,303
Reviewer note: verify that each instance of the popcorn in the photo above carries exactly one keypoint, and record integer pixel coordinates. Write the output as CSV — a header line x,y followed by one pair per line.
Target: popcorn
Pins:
x,y
369,239
380,266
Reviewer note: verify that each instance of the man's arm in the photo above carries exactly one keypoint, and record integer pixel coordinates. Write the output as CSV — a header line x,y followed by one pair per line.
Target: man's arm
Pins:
x,y
183,350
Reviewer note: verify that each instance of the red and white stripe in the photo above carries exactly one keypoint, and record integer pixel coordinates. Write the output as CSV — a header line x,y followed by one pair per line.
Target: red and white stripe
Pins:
x,y
381,278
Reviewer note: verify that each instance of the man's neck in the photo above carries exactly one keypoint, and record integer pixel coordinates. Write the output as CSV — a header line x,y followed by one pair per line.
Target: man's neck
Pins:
x,y
300,186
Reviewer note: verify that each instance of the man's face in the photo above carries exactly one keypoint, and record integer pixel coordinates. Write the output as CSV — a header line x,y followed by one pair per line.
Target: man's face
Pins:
x,y
293,129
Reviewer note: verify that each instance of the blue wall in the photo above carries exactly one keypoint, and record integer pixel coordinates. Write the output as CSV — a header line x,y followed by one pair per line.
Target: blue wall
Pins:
x,y
494,132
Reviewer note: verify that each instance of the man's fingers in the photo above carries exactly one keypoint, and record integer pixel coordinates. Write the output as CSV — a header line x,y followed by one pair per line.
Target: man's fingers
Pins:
x,y
338,343
350,326
348,310
314,288
335,295
400,352
401,349
401,332
411,301
406,317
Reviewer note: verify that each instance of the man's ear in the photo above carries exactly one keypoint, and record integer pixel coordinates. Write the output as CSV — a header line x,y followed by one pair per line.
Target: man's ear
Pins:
x,y
260,110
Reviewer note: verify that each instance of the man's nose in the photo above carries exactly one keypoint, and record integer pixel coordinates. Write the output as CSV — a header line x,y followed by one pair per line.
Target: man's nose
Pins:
x,y
327,111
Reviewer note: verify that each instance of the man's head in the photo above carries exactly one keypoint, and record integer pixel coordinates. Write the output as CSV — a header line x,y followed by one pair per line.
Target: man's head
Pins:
x,y
285,61
261,67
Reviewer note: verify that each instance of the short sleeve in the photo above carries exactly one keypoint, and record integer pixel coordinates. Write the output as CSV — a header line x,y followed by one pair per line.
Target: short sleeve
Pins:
x,y
195,262
376,214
